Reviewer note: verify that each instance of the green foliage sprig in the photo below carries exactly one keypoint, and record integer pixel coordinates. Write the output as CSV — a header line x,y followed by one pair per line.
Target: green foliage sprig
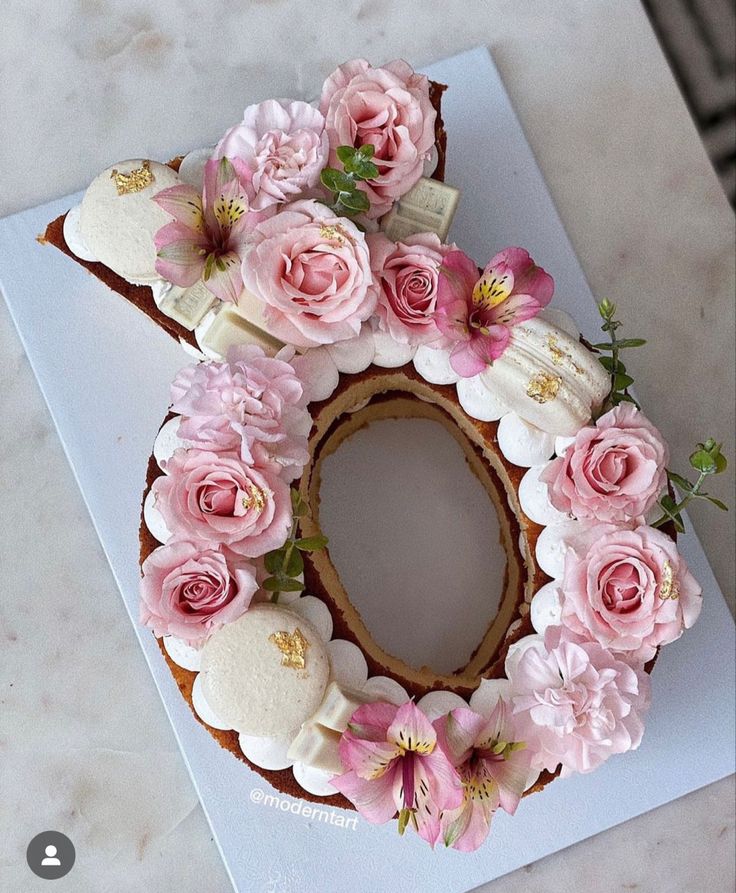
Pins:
x,y
348,199
706,460
286,564
620,379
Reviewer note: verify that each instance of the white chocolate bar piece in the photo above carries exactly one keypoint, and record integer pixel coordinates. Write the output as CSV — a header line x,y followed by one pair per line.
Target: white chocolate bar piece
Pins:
x,y
317,747
187,306
427,207
230,327
338,705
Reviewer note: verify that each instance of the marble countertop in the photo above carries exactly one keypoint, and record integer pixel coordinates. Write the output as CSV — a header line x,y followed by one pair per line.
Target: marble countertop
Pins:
x,y
86,82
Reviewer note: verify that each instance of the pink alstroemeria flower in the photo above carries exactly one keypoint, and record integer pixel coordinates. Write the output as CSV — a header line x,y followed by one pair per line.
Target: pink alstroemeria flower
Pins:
x,y
493,766
206,239
477,313
394,765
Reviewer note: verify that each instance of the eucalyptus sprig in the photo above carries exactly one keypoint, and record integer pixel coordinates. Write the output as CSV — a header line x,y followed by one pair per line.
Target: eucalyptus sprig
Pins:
x,y
620,379
348,199
286,564
706,460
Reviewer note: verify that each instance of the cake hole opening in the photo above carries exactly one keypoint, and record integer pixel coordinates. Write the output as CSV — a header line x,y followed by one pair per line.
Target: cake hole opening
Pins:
x,y
415,540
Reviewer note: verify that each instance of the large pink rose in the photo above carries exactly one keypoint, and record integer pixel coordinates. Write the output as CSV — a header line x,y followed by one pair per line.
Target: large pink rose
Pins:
x,y
407,274
218,498
284,146
614,471
575,701
188,589
388,108
630,590
253,404
312,269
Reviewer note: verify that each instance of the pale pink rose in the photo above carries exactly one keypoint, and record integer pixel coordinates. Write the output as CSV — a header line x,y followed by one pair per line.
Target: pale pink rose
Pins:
x,y
190,589
407,274
218,498
577,704
613,471
312,270
284,146
629,590
388,108
252,404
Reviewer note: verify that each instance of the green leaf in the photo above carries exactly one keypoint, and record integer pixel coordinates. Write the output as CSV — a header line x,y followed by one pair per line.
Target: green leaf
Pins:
x,y
669,507
702,461
623,381
716,502
603,345
282,584
364,170
607,309
356,200
337,181
295,565
367,151
274,560
298,506
347,153
311,543
607,363
631,342
721,463
626,398
680,482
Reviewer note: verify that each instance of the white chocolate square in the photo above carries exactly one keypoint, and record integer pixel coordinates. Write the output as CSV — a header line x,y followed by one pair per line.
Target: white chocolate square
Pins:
x,y
429,206
230,328
187,306
317,747
337,706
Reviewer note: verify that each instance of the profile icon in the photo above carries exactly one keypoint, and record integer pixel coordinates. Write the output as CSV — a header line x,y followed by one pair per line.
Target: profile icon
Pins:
x,y
50,855
50,858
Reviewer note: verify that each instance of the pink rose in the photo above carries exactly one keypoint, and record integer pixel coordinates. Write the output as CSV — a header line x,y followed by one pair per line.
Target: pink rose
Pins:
x,y
407,273
312,269
217,498
576,702
252,404
188,589
388,108
612,472
284,146
629,590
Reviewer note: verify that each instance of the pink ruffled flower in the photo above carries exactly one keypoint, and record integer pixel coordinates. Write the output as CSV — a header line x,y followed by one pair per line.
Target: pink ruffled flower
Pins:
x,y
493,765
218,498
614,471
189,590
476,314
576,703
312,270
253,404
208,236
394,765
388,108
407,274
629,590
284,146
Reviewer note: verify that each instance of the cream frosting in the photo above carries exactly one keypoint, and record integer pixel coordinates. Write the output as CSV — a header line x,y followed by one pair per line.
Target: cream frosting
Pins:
x,y
191,169
523,443
72,236
546,606
154,519
433,364
318,373
389,353
184,655
534,499
478,400
552,544
355,354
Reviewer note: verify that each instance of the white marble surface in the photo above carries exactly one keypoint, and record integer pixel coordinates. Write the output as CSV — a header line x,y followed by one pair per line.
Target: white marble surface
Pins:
x,y
86,83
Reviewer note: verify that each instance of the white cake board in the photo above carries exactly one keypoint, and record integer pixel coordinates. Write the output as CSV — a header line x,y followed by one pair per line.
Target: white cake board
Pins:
x,y
104,370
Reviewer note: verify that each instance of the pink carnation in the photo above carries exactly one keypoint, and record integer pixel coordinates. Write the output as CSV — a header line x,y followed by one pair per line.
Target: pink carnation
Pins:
x,y
188,590
253,404
614,471
312,270
388,108
284,147
576,702
217,498
629,590
407,274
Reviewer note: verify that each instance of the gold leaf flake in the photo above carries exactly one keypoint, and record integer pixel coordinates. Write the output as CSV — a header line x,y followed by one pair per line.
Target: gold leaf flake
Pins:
x,y
543,387
668,588
135,181
293,646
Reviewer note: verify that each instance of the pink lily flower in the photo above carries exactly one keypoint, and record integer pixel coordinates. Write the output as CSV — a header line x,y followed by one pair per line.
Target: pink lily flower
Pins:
x,y
493,766
476,314
394,765
207,237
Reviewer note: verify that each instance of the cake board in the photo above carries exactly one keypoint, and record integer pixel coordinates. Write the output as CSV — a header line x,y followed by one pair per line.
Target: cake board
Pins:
x,y
70,326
